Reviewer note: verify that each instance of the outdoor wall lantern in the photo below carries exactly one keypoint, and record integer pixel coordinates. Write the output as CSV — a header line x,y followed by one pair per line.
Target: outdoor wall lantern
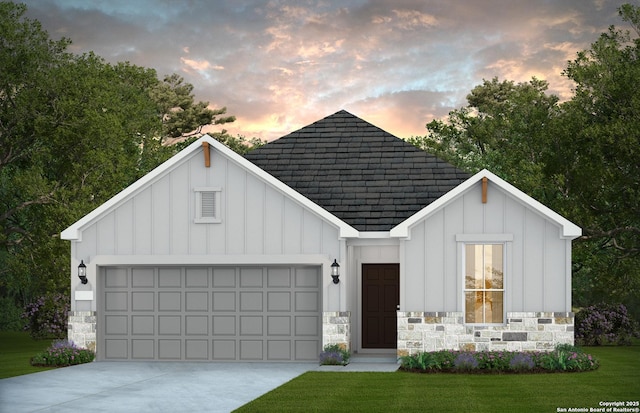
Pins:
x,y
335,272
82,272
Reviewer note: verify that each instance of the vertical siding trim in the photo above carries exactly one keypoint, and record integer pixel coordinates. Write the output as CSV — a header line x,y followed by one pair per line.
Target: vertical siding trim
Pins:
x,y
568,275
544,266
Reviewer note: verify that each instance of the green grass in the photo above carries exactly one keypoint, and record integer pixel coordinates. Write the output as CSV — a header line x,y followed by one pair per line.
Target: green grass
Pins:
x,y
16,350
617,379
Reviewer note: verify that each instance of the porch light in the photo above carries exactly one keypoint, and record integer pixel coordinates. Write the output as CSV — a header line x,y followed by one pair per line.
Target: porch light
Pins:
x,y
335,271
82,272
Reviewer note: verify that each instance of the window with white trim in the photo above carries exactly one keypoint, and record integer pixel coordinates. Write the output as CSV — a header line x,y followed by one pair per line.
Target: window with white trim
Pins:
x,y
484,283
207,205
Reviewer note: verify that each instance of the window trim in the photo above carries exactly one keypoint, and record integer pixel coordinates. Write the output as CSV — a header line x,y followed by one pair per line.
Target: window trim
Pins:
x,y
199,219
484,239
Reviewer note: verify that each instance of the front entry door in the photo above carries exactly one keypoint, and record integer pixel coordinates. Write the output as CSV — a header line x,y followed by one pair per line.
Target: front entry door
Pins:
x,y
380,297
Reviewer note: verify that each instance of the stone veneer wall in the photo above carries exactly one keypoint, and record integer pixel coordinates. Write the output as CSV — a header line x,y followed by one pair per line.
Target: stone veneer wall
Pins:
x,y
82,329
336,328
433,331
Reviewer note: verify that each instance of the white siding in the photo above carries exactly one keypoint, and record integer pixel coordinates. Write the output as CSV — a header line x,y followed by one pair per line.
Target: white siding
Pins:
x,y
536,268
257,219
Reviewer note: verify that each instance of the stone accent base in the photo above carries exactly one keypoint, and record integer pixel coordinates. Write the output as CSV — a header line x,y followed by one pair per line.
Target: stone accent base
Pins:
x,y
82,329
433,331
336,328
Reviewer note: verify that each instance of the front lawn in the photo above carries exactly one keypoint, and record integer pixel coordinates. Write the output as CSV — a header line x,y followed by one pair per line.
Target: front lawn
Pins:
x,y
16,350
617,379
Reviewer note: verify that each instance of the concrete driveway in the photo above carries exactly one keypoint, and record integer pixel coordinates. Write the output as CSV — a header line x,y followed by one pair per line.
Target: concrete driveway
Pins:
x,y
145,387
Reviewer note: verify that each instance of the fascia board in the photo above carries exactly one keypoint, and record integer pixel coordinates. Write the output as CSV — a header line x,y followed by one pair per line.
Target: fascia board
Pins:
x,y
73,232
569,229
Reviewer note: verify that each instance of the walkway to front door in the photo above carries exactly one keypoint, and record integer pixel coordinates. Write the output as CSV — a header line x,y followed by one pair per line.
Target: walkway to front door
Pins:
x,y
380,297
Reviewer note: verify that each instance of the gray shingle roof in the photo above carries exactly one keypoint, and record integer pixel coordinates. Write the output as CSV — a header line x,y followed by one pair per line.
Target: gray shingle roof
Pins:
x,y
365,176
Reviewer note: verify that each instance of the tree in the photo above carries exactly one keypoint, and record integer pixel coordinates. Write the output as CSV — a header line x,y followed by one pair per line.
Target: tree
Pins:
x,y
74,131
580,157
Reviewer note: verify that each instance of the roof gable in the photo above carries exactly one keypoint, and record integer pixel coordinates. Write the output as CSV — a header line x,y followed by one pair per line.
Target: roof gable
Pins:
x,y
367,177
569,229
74,232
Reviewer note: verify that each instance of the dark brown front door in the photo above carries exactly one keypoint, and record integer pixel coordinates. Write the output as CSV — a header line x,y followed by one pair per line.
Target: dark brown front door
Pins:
x,y
380,296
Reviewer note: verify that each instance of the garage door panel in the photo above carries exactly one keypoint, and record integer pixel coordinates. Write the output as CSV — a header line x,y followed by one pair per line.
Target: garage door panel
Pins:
x,y
224,349
251,301
142,278
116,324
116,301
210,313
169,325
169,278
115,278
279,277
278,326
196,301
197,325
279,301
278,350
224,325
251,278
224,277
251,325
142,301
169,301
251,350
142,325
170,349
143,349
197,349
224,301
196,278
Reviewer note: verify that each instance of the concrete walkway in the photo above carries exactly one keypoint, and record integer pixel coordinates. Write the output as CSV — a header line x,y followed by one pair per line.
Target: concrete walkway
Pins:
x,y
157,386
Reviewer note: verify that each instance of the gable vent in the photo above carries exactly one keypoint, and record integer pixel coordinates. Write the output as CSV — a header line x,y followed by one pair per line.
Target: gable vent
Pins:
x,y
208,200
207,205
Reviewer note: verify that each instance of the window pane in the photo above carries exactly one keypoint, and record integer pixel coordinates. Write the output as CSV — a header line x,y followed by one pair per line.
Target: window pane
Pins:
x,y
473,270
493,307
493,266
473,307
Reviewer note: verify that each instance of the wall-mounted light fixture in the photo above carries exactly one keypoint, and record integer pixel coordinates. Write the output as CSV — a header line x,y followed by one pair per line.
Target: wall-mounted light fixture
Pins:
x,y
82,272
335,272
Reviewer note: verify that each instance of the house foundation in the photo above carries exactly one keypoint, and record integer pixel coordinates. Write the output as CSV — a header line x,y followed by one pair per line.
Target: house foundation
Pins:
x,y
336,328
82,329
523,331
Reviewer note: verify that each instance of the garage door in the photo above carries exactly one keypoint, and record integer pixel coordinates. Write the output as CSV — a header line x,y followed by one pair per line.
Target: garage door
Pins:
x,y
209,313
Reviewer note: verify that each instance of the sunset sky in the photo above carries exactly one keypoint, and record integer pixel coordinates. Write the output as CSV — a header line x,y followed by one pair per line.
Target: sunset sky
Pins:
x,y
280,65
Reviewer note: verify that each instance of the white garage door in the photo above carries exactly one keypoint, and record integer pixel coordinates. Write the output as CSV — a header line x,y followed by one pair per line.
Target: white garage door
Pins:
x,y
209,313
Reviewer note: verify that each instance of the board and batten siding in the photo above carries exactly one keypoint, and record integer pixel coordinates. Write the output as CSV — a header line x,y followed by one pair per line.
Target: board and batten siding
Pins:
x,y
536,257
257,219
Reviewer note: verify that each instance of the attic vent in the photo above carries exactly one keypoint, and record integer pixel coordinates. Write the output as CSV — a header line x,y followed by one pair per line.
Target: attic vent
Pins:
x,y
207,205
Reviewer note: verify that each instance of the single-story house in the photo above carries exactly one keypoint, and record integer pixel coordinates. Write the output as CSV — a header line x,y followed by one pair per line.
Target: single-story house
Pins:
x,y
336,233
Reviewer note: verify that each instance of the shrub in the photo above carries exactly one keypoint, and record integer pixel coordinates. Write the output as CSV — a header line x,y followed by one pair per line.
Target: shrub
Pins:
x,y
62,353
604,324
10,315
521,361
563,358
465,361
334,354
47,317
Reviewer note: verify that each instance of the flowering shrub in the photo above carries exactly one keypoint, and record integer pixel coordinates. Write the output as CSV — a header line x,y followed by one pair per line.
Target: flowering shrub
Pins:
x,y
334,354
563,358
466,361
62,353
47,317
604,324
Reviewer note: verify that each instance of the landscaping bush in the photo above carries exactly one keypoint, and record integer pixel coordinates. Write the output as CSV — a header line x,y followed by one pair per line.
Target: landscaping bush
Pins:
x,y
563,359
334,354
47,317
62,353
10,315
604,324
